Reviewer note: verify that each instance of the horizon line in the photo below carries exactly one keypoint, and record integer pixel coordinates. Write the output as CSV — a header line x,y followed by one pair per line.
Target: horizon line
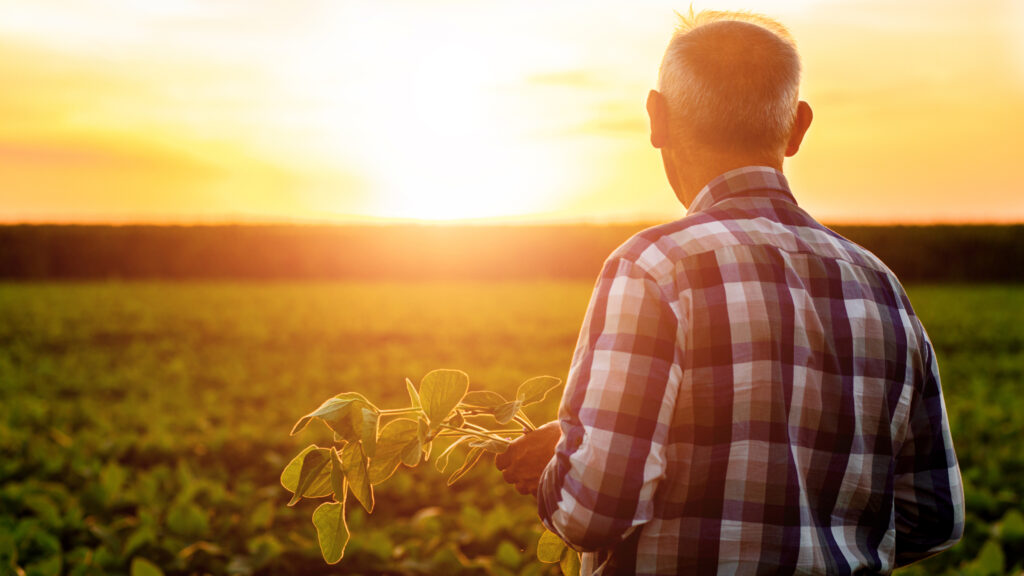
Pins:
x,y
459,223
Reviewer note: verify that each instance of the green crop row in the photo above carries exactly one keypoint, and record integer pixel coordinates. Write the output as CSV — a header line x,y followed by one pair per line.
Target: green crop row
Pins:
x,y
144,426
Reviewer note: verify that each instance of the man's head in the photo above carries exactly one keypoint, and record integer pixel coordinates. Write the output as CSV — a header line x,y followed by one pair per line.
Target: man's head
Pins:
x,y
727,94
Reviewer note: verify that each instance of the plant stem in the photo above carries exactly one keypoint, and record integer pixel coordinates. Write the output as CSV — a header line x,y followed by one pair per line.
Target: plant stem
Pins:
x,y
398,411
522,419
476,433
489,431
460,433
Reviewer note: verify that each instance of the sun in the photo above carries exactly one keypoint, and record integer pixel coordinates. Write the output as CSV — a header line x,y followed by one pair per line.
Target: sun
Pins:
x,y
453,138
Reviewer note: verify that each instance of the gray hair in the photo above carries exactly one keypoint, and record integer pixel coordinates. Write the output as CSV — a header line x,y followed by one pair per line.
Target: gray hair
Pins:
x,y
731,81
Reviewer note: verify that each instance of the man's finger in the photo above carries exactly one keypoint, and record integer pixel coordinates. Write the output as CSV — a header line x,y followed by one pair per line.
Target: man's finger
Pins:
x,y
525,488
509,476
503,460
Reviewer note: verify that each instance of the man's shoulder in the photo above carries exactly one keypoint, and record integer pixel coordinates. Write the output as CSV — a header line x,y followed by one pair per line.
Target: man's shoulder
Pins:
x,y
653,248
659,248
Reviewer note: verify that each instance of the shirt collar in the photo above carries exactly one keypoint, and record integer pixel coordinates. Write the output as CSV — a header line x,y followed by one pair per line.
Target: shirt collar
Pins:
x,y
763,181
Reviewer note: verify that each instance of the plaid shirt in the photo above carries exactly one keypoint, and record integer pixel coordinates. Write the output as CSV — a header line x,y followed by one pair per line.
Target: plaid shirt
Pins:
x,y
751,394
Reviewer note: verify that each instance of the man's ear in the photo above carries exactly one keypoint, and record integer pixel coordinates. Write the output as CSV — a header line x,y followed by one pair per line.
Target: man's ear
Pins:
x,y
804,115
657,109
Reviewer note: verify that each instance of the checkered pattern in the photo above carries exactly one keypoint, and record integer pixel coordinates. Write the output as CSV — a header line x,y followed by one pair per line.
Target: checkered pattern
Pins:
x,y
751,394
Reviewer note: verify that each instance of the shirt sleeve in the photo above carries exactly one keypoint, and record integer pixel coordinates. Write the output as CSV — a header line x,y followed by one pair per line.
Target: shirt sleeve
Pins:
x,y
615,413
928,488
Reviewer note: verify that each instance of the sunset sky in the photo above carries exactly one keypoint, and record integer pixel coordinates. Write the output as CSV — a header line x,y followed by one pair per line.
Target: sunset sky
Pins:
x,y
303,111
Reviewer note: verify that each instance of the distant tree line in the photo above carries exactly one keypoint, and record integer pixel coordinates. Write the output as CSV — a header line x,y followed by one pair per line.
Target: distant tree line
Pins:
x,y
423,252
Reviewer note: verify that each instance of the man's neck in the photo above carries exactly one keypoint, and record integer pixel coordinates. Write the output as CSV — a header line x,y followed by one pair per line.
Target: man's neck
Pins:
x,y
695,169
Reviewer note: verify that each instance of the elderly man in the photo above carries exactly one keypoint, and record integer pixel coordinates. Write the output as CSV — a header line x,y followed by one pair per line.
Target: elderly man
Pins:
x,y
751,393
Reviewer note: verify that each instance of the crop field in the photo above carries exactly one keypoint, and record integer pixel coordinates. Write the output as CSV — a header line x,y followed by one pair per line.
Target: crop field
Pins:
x,y
144,426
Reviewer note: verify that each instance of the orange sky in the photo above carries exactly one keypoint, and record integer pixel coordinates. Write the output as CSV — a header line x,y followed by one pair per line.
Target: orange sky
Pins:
x,y
197,111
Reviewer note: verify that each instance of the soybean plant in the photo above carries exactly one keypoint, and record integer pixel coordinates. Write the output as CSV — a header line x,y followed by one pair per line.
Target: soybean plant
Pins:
x,y
371,443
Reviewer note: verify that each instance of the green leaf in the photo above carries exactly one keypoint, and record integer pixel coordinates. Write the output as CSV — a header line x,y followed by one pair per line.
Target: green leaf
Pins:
x,y
507,412
318,488
329,406
338,482
261,517
343,414
423,431
550,547
1011,529
414,396
570,563
263,549
140,537
112,479
355,424
472,458
990,559
314,463
368,431
143,567
484,399
535,389
9,549
441,391
188,520
44,508
397,439
413,451
49,566
357,397
353,461
441,462
426,442
507,555
29,535
331,530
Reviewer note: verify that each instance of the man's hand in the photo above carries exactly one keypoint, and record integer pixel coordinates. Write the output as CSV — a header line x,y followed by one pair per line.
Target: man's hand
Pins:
x,y
527,456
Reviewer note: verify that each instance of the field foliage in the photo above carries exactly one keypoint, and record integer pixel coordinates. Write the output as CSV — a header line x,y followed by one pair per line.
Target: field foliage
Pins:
x,y
144,426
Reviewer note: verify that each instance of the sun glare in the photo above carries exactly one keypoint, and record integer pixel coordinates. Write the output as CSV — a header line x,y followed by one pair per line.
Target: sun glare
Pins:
x,y
451,150
447,130
450,144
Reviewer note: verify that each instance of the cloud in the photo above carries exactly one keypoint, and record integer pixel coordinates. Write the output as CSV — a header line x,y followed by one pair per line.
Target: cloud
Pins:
x,y
69,155
64,176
